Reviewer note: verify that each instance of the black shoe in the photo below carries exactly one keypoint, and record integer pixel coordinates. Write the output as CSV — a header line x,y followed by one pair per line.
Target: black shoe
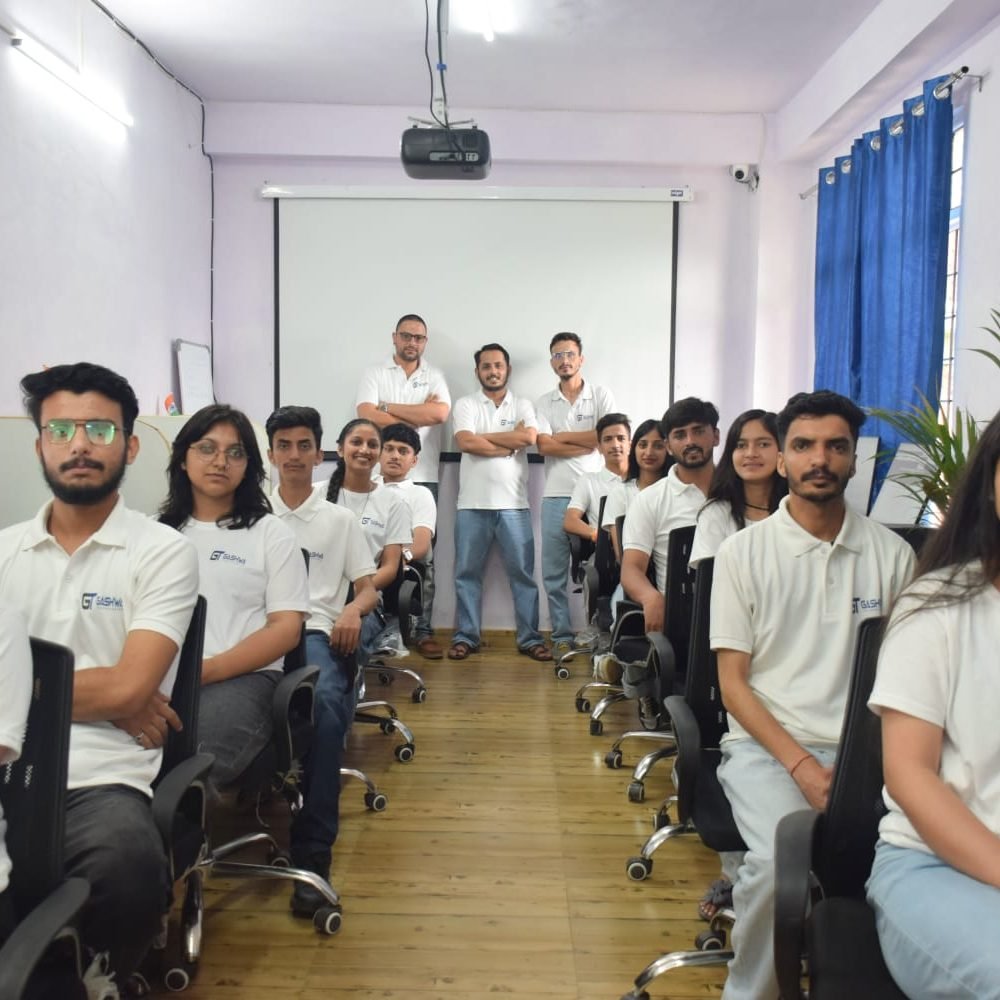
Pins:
x,y
305,899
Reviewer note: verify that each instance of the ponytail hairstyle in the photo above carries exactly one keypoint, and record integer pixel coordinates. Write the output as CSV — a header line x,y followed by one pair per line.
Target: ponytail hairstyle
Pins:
x,y
337,479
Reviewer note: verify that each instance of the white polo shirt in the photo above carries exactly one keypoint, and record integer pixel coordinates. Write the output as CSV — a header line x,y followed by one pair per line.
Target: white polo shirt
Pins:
x,y
246,575
939,665
555,413
620,497
15,700
388,383
715,524
590,488
132,573
492,483
384,518
794,603
418,500
338,553
655,512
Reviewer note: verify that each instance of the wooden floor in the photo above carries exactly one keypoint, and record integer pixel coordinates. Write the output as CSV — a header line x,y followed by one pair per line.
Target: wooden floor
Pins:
x,y
498,868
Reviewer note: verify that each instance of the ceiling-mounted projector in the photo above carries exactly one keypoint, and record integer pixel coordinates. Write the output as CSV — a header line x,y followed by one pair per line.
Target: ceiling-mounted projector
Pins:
x,y
445,153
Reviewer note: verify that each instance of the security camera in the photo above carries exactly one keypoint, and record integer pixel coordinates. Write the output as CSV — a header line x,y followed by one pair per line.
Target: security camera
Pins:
x,y
740,172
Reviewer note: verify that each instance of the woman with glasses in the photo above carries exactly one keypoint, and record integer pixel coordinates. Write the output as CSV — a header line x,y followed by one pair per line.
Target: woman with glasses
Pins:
x,y
253,576
935,881
384,518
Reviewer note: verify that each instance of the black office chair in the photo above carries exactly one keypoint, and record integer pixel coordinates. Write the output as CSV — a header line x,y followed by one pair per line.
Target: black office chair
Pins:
x,y
44,953
666,665
824,859
402,598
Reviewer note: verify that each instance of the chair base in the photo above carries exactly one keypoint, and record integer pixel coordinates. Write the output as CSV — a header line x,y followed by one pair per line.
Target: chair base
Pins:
x,y
375,800
388,672
674,960
367,712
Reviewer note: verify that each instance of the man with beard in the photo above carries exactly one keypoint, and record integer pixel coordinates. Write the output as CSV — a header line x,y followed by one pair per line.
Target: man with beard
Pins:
x,y
691,429
567,437
117,589
788,596
493,427
405,389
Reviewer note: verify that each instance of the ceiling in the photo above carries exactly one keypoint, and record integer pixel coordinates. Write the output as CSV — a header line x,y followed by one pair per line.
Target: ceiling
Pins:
x,y
600,55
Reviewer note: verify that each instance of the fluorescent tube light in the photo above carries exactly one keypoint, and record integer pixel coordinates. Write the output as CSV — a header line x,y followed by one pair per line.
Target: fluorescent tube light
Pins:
x,y
76,81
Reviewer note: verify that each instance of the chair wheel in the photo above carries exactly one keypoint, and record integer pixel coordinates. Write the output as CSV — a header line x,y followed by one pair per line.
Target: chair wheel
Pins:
x,y
613,759
376,801
636,996
404,752
278,858
562,672
386,726
710,941
583,705
385,678
327,920
178,978
419,695
661,819
638,869
636,791
596,727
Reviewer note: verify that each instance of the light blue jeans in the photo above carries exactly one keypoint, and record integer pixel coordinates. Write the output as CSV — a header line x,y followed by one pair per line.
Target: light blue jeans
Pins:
x,y
475,532
761,792
935,925
555,566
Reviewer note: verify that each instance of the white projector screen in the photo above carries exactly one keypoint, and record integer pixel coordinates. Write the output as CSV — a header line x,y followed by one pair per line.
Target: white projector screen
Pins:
x,y
512,267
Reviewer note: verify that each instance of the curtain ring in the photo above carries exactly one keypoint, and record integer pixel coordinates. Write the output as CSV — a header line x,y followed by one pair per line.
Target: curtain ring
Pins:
x,y
831,177
845,167
876,143
896,128
918,109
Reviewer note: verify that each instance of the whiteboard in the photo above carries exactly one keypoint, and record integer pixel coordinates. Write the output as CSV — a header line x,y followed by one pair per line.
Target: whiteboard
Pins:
x,y
514,269
194,375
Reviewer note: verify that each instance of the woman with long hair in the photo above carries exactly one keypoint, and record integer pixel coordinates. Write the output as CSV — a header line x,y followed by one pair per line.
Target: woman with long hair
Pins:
x,y
939,698
252,573
746,485
648,463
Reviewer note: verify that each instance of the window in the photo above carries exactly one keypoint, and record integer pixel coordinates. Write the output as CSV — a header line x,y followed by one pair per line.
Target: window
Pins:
x,y
951,281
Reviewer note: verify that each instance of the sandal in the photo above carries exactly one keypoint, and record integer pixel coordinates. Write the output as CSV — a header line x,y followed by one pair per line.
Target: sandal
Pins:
x,y
539,652
460,650
718,896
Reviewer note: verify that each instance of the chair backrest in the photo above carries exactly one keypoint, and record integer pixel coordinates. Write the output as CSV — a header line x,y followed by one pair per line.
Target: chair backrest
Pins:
x,y
843,859
186,694
680,596
296,656
33,788
608,570
701,686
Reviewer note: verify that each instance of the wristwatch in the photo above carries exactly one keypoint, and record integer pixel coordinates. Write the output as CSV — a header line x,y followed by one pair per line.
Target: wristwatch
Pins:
x,y
384,407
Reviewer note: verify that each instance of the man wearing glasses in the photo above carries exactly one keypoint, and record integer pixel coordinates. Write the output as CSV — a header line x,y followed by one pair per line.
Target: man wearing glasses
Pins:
x,y
567,437
405,389
117,589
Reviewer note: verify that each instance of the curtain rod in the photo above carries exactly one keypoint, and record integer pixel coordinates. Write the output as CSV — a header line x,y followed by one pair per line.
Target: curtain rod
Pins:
x,y
940,91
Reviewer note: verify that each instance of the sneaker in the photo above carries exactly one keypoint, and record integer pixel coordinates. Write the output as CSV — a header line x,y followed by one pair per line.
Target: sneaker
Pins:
x,y
305,899
98,981
587,637
649,715
561,648
607,669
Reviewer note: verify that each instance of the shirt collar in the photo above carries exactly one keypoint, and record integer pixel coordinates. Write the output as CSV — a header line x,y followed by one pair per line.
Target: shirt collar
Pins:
x,y
112,533
484,399
586,392
677,484
801,541
306,510
392,364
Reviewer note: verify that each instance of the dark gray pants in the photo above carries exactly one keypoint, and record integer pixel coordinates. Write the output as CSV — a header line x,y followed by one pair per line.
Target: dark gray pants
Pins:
x,y
112,842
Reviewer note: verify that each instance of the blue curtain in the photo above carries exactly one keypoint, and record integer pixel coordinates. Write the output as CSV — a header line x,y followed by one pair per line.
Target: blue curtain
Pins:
x,y
881,252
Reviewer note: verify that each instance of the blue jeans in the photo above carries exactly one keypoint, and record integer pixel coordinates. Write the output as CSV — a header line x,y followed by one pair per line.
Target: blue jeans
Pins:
x,y
934,925
423,627
555,566
475,532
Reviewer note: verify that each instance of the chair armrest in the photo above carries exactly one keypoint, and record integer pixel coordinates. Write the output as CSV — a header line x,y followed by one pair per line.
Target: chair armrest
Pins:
x,y
628,614
591,588
173,787
409,604
666,659
33,936
793,851
299,687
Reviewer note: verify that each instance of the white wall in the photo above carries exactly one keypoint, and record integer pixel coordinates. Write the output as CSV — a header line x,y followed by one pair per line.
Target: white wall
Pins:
x,y
103,231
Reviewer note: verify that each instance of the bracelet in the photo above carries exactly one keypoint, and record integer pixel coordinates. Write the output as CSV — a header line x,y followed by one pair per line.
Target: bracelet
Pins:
x,y
798,763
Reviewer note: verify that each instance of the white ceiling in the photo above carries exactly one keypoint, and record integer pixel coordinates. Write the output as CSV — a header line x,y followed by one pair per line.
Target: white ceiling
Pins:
x,y
628,55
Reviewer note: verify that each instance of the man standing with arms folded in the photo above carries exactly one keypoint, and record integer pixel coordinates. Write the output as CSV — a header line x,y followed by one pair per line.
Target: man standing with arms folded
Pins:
x,y
493,427
405,389
567,437
788,596
118,589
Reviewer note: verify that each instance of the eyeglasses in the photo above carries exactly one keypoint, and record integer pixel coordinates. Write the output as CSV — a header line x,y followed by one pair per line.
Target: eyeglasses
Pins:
x,y
101,432
411,338
568,355
207,450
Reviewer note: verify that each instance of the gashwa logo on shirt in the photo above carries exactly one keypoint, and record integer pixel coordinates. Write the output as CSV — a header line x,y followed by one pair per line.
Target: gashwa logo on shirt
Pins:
x,y
92,599
221,555
315,555
373,520
859,604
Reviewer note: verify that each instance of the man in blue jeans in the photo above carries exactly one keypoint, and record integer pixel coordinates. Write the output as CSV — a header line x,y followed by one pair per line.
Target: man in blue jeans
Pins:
x,y
567,437
493,427
336,628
